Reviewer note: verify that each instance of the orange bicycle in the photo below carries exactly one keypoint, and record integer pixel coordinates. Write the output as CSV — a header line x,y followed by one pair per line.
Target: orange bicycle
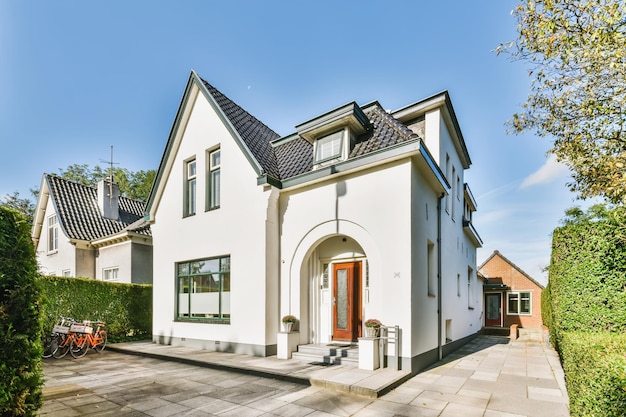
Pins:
x,y
84,337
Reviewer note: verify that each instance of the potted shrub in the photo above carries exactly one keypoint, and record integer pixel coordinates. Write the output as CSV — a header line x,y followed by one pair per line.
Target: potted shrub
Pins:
x,y
288,322
371,327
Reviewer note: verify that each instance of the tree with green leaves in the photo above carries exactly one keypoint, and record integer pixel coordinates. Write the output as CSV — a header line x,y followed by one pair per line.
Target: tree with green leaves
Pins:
x,y
135,185
25,206
20,350
576,52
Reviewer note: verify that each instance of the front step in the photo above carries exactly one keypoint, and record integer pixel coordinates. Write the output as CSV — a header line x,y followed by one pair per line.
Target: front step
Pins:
x,y
330,354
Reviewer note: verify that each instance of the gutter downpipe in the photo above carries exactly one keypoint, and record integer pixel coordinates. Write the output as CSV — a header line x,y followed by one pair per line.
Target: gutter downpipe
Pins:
x,y
439,285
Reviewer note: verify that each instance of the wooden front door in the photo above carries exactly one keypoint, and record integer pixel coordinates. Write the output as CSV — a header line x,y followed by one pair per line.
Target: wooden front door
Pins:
x,y
347,301
493,307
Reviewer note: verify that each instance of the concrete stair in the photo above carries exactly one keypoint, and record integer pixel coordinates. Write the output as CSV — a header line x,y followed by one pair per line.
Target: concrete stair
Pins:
x,y
329,354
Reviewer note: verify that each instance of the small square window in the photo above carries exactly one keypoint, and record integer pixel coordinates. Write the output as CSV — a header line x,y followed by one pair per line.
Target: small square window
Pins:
x,y
110,274
329,147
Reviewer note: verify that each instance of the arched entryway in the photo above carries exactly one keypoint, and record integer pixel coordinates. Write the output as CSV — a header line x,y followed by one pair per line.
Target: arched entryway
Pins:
x,y
331,282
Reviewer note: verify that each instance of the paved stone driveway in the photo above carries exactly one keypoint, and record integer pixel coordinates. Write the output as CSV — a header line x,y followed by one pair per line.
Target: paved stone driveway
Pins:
x,y
489,377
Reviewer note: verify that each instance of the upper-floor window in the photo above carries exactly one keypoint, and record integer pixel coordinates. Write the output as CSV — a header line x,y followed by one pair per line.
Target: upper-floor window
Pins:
x,y
53,233
110,274
518,303
190,188
213,182
329,147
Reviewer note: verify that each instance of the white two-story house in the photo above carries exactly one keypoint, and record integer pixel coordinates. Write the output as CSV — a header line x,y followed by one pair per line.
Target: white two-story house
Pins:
x,y
359,213
91,232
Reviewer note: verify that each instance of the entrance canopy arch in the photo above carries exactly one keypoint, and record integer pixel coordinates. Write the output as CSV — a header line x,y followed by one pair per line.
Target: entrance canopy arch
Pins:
x,y
308,289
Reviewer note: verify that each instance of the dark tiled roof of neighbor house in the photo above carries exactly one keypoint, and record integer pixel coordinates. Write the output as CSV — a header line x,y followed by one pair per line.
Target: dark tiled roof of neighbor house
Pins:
x,y
295,156
79,215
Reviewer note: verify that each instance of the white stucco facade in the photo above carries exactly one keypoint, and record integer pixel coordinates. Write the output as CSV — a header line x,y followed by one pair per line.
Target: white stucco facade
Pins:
x,y
393,219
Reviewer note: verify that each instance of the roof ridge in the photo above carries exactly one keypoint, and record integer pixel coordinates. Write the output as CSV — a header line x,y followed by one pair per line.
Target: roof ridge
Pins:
x,y
394,123
256,134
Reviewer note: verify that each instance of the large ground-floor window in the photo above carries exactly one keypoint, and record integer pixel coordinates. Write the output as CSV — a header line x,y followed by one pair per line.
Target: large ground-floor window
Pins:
x,y
518,303
203,288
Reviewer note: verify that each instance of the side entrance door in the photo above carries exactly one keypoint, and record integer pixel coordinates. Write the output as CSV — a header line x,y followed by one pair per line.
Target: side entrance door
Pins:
x,y
347,301
493,315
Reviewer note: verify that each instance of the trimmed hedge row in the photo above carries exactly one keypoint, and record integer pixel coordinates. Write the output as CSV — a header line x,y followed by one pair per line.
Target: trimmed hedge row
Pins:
x,y
587,278
595,366
584,305
125,308
20,341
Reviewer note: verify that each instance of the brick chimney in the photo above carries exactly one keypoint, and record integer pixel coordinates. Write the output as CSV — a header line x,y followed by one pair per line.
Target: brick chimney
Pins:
x,y
108,199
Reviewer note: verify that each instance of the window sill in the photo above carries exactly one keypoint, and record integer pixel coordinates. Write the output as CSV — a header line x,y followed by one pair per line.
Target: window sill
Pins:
x,y
431,295
470,308
52,252
203,321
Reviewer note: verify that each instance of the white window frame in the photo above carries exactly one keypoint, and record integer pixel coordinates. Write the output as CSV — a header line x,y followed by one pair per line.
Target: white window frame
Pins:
x,y
214,173
517,311
330,147
53,234
190,192
114,271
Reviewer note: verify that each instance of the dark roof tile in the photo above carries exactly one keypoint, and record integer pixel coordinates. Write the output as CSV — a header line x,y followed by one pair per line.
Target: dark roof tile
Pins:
x,y
78,212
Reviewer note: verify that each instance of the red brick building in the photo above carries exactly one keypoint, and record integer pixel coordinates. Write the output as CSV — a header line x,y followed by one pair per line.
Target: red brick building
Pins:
x,y
511,296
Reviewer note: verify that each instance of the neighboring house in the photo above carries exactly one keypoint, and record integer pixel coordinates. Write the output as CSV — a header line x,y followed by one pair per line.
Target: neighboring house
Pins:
x,y
360,213
81,231
511,295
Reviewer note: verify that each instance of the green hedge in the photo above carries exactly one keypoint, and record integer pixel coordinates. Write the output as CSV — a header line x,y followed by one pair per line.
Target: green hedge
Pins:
x,y
584,305
125,308
20,341
595,369
587,278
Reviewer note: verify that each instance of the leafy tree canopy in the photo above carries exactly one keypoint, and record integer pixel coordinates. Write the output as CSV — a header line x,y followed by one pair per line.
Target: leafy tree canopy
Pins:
x,y
135,185
576,50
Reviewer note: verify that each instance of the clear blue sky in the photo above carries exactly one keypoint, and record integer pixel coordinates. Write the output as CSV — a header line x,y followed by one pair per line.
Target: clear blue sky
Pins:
x,y
77,77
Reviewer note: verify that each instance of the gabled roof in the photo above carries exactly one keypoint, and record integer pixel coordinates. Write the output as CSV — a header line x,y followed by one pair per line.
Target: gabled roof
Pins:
x,y
76,206
280,160
505,259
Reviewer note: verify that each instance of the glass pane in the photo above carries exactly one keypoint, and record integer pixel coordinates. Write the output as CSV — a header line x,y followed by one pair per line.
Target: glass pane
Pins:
x,y
493,308
513,304
205,266
205,296
183,269
215,159
329,146
191,169
342,299
525,303
215,188
225,264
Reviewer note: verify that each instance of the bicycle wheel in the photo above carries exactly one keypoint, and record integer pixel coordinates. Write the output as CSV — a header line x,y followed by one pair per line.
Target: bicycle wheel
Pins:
x,y
47,346
101,341
79,346
63,346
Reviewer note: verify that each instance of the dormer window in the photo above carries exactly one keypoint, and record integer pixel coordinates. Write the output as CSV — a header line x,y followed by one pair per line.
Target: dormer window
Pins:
x,y
329,147
332,132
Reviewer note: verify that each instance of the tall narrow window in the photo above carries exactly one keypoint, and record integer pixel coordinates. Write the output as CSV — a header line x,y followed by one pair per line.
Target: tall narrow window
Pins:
x,y
430,270
53,233
190,188
470,293
213,192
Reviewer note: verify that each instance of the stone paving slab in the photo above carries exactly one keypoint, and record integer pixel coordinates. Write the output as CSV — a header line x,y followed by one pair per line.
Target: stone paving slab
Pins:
x,y
465,383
